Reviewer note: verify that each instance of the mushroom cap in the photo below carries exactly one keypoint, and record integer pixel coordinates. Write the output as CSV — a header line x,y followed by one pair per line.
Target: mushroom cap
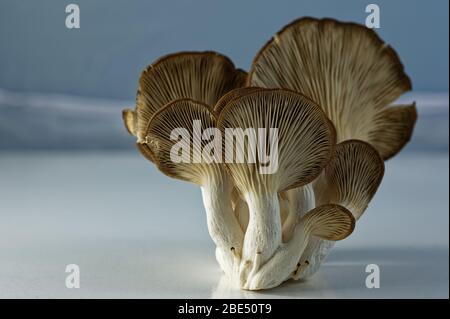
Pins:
x,y
305,138
129,120
349,71
201,76
351,178
231,95
393,128
329,222
180,114
145,151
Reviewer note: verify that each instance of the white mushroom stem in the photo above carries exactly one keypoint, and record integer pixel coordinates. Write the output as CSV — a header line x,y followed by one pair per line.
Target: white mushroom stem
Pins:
x,y
241,212
281,266
300,200
328,221
314,255
229,263
223,226
263,235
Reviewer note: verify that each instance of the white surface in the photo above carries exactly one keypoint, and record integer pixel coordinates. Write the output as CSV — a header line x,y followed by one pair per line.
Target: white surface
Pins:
x,y
138,234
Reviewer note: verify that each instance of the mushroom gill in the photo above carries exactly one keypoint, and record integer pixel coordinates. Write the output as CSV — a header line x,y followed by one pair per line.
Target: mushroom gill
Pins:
x,y
129,119
304,146
231,95
202,76
349,71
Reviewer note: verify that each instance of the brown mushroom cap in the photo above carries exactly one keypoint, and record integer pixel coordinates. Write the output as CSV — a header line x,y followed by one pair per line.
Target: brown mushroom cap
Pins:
x,y
180,114
305,138
351,178
330,222
349,71
129,120
145,151
231,95
392,129
201,76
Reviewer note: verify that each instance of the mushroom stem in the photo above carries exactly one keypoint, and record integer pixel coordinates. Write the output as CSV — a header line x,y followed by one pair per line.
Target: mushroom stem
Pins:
x,y
263,235
241,212
300,200
229,264
332,222
223,227
317,251
282,264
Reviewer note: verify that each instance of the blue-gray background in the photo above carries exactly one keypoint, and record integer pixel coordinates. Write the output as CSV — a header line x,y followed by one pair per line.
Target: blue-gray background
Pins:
x,y
62,88
118,38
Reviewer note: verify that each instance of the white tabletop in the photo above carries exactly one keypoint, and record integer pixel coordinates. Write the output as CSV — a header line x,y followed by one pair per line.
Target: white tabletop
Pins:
x,y
135,233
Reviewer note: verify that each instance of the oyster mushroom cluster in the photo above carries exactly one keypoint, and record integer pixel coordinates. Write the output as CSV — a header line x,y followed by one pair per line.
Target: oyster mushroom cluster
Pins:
x,y
328,88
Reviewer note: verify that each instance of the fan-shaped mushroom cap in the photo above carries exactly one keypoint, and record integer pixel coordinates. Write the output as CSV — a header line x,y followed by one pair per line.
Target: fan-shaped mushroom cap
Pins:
x,y
350,179
392,129
305,138
330,222
231,95
349,71
145,151
201,76
181,114
129,119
